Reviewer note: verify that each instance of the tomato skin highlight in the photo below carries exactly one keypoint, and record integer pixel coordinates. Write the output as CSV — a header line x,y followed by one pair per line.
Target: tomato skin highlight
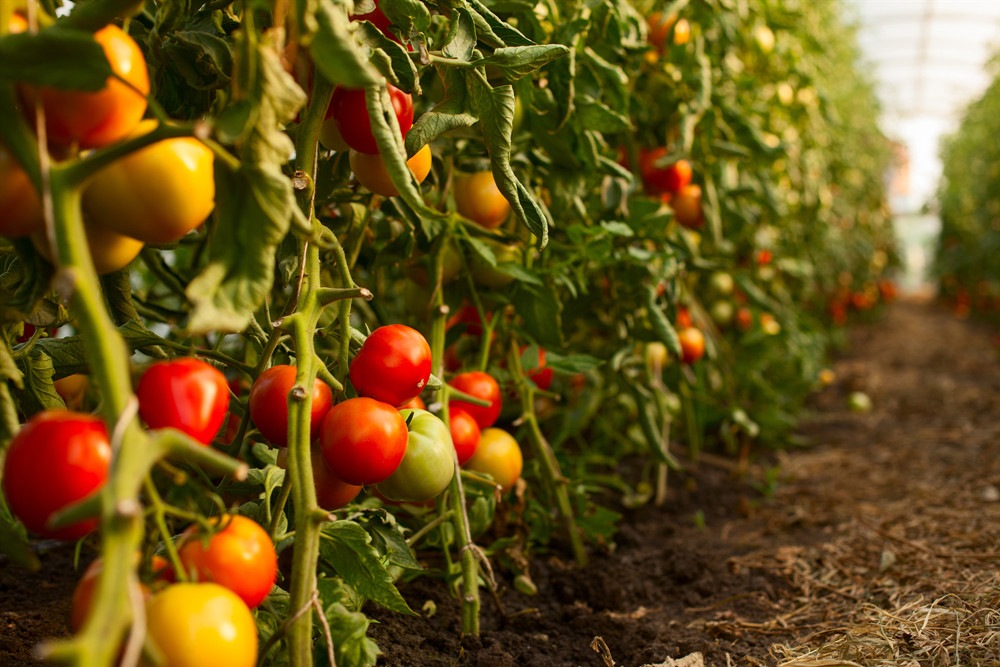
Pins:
x,y
201,624
157,194
478,198
268,403
371,172
465,434
428,465
56,459
499,456
350,110
692,344
363,440
481,385
186,394
95,119
393,365
240,557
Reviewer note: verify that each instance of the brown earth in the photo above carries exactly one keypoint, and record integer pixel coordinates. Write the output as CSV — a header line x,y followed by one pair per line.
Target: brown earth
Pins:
x,y
877,547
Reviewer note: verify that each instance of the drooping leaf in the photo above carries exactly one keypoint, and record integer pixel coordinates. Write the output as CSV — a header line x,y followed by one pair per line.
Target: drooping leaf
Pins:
x,y
347,547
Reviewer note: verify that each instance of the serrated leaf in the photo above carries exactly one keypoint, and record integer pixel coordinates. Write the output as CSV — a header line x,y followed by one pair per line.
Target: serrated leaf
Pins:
x,y
492,29
540,311
407,15
348,631
37,392
387,536
57,57
461,41
334,51
520,61
397,67
595,115
347,547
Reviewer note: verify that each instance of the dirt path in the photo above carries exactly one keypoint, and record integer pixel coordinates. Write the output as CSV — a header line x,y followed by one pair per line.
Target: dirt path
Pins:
x,y
878,547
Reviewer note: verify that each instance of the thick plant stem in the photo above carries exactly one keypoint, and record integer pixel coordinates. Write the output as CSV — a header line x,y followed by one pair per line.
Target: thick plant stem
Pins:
x,y
543,451
456,493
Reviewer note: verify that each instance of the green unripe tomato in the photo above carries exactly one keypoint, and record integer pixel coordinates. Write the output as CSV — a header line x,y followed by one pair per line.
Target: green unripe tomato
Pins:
x,y
722,312
429,464
721,283
494,276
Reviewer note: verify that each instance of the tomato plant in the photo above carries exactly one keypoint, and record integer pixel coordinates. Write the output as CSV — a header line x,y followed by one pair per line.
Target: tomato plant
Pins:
x,y
363,440
331,492
393,365
95,119
498,456
268,403
239,555
157,194
478,198
201,624
186,394
465,433
56,459
369,169
350,111
20,208
483,386
663,179
428,465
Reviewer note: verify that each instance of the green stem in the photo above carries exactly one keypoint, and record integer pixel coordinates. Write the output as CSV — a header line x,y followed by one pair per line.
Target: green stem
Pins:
x,y
543,451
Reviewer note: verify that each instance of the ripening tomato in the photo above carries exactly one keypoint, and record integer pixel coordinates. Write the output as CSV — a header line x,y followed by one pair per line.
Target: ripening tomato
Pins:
x,y
83,594
393,365
659,27
186,394
268,403
20,208
686,204
540,374
428,465
683,320
744,318
465,433
478,198
363,440
495,277
668,178
692,344
72,389
416,403
56,459
240,557
498,456
109,250
481,385
371,172
331,492
201,624
351,113
468,316
95,119
157,194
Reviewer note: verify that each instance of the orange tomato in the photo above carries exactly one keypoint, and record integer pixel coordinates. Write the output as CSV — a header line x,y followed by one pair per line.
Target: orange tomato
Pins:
x,y
95,119
498,456
110,250
686,204
478,198
370,170
692,344
20,208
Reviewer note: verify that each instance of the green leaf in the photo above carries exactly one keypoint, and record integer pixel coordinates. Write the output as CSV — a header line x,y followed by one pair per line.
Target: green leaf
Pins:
x,y
407,15
348,629
451,113
520,61
495,109
662,327
461,42
258,511
617,228
57,57
334,51
395,64
597,116
38,393
347,547
14,541
492,29
572,363
387,536
203,60
540,311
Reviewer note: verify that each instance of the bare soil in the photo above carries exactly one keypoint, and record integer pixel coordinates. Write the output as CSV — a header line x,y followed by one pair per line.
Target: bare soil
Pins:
x,y
878,546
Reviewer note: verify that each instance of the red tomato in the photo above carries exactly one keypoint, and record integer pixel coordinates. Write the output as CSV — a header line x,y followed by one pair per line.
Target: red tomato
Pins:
x,y
764,257
686,204
683,317
669,178
393,365
692,344
499,456
481,385
240,557
416,404
83,594
465,434
363,440
20,208
351,113
744,318
468,315
478,198
197,625
269,403
95,119
380,20
186,394
331,492
541,374
56,459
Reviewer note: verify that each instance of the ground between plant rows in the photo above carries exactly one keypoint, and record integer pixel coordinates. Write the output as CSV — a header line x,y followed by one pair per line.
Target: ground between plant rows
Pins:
x,y
877,546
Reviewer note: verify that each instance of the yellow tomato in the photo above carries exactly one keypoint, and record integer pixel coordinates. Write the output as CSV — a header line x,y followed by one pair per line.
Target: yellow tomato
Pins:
x,y
478,198
499,456
110,250
202,625
157,194
370,170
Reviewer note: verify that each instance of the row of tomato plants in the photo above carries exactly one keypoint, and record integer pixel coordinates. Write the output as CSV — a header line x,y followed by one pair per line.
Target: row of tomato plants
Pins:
x,y
437,235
